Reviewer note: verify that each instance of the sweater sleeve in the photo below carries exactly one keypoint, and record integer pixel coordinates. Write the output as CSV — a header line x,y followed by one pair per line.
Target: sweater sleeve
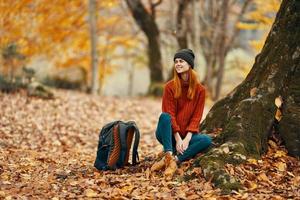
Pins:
x,y
197,115
168,106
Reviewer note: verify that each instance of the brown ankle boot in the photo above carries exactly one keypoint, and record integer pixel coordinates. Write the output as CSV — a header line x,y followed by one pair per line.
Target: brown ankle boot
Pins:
x,y
158,165
171,166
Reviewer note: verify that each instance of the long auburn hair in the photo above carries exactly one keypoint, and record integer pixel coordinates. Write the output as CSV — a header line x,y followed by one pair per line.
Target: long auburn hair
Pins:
x,y
193,81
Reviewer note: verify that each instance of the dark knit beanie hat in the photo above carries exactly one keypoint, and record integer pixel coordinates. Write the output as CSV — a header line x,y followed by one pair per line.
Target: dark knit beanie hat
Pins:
x,y
187,55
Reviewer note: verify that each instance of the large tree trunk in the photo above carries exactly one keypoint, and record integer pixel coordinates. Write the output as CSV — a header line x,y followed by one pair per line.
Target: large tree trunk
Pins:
x,y
146,21
246,115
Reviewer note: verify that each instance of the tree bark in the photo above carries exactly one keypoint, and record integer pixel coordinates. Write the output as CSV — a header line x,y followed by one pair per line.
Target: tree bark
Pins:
x,y
246,115
181,32
222,46
94,56
146,21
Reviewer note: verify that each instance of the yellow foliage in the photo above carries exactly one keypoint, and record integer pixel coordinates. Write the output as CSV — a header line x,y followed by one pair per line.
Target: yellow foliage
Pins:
x,y
257,44
261,18
246,26
59,29
107,3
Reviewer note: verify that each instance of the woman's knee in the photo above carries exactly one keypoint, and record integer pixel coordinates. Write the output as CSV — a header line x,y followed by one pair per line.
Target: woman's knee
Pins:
x,y
203,139
206,140
164,125
164,118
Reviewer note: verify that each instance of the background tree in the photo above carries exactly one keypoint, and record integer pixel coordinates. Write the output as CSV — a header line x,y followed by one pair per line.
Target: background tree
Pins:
x,y
246,116
12,59
93,36
211,22
217,37
182,23
145,19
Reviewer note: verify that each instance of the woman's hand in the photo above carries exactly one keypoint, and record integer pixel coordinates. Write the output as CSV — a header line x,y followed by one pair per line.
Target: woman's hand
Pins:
x,y
179,144
186,141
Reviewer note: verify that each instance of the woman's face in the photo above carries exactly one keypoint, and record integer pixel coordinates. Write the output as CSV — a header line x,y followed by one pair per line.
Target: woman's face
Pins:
x,y
181,65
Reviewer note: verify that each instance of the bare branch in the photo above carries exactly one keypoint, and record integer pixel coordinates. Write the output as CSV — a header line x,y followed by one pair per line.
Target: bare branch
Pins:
x,y
153,7
236,29
157,3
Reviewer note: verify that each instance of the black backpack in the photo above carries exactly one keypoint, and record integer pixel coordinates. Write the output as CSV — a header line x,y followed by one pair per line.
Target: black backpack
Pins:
x,y
114,145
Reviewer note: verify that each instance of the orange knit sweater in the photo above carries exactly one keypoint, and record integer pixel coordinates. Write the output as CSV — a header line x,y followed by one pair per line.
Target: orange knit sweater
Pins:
x,y
185,114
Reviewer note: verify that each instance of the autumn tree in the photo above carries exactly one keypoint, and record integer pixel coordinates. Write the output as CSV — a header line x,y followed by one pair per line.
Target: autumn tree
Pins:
x,y
59,30
246,116
11,60
145,19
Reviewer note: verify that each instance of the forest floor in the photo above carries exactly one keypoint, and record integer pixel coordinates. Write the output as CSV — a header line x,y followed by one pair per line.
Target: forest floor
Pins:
x,y
48,148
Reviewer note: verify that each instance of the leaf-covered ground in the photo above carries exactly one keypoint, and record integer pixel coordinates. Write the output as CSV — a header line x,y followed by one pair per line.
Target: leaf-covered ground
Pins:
x,y
48,148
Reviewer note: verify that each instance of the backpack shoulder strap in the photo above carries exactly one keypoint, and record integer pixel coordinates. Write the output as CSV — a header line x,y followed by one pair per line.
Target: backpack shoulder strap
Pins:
x,y
123,130
104,146
109,126
135,155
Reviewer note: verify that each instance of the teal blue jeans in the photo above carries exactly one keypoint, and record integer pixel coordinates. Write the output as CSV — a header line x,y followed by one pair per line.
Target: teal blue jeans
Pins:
x,y
198,142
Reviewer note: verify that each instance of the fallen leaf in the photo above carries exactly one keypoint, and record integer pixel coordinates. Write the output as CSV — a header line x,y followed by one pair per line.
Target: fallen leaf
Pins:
x,y
180,194
253,91
197,171
272,144
245,196
90,193
250,185
26,176
127,189
296,181
278,101
263,177
148,173
73,183
2,194
252,161
226,150
180,171
193,196
8,198
281,166
278,115
279,154
231,171
291,174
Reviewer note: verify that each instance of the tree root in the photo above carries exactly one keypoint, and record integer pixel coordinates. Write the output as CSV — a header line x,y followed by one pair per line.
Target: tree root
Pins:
x,y
213,163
